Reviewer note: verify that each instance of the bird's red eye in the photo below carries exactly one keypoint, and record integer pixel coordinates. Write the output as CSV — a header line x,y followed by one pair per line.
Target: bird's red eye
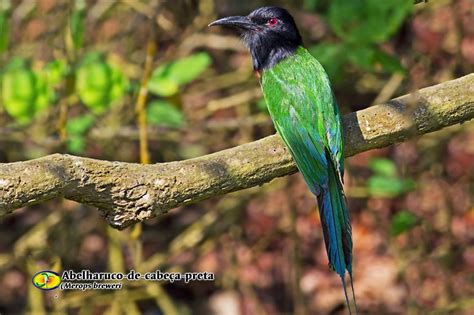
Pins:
x,y
272,22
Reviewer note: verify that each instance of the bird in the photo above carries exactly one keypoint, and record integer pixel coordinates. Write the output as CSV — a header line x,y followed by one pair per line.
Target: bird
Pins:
x,y
305,114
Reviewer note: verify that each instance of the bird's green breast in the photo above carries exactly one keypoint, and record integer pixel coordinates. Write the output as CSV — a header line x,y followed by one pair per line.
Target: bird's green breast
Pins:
x,y
299,87
300,73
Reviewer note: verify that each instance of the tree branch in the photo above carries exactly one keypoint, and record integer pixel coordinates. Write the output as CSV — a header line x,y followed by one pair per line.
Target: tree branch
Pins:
x,y
128,193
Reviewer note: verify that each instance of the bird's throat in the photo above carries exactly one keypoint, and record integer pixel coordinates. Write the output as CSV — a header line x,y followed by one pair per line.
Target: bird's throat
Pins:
x,y
265,57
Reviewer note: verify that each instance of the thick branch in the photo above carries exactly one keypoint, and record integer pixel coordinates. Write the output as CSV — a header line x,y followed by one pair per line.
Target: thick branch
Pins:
x,y
128,193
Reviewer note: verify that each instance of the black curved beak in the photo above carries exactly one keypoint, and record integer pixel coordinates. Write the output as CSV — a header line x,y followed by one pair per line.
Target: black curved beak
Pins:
x,y
241,22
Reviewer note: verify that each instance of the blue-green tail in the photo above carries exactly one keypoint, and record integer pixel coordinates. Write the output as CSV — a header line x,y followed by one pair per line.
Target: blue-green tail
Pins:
x,y
337,229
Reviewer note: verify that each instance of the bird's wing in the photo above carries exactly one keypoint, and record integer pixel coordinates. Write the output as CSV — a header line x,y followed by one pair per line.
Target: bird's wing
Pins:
x,y
307,148
333,134
304,111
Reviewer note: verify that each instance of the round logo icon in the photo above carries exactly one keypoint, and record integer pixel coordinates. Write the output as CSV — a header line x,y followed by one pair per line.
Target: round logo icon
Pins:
x,y
46,280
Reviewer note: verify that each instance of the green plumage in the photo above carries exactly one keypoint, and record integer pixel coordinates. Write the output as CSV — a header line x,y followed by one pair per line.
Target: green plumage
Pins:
x,y
304,111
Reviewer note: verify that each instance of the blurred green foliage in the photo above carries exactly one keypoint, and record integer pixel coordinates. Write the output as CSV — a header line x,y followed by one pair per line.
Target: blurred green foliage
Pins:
x,y
369,21
162,113
77,128
5,7
402,222
384,182
167,78
384,167
24,91
99,83
361,26
56,71
76,23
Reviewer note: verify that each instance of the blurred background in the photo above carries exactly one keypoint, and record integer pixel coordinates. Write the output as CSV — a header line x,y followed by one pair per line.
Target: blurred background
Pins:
x,y
70,76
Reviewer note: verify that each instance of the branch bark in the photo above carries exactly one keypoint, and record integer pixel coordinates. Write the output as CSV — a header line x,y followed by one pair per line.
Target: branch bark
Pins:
x,y
127,193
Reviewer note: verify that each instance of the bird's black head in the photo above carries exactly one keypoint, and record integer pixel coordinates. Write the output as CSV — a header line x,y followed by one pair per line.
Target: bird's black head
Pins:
x,y
269,32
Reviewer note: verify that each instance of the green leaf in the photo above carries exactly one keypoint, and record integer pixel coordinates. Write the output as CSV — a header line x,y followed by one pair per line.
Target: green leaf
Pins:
x,y
333,57
55,71
17,63
76,23
388,187
119,82
79,125
162,113
167,78
4,25
369,57
91,57
362,56
19,84
368,21
93,84
76,144
76,128
99,84
187,69
365,56
384,167
44,92
402,222
389,63
24,92
163,86
21,111
19,92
